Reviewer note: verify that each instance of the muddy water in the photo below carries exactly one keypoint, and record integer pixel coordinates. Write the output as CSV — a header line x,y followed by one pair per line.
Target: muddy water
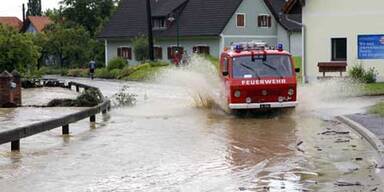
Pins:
x,y
11,118
166,143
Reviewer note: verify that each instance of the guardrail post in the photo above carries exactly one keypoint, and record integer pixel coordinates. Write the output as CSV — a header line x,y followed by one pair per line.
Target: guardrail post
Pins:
x,y
15,145
65,129
92,118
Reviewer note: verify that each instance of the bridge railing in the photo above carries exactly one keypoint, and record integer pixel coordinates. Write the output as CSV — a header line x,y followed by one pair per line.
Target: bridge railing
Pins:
x,y
15,135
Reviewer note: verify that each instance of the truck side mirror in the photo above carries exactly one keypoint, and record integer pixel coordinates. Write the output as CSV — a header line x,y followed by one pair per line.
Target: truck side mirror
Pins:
x,y
225,73
297,70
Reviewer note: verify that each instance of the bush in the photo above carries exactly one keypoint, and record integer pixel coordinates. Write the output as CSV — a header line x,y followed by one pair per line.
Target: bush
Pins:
x,y
117,63
115,73
140,48
89,98
359,74
370,76
103,73
78,72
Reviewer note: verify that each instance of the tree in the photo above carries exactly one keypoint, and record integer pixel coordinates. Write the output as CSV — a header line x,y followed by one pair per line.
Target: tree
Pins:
x,y
71,46
34,8
90,14
17,51
140,48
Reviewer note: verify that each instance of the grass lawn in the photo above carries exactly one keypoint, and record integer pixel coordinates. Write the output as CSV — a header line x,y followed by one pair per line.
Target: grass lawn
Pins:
x,y
373,89
144,73
298,62
377,109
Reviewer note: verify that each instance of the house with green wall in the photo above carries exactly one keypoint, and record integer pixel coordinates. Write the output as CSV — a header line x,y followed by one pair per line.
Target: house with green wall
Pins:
x,y
203,26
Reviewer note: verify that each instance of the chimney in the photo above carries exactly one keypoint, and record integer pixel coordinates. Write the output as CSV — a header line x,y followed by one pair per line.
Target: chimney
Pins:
x,y
23,12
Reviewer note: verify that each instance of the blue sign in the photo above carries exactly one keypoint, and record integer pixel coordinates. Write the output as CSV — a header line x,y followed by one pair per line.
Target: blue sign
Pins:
x,y
370,46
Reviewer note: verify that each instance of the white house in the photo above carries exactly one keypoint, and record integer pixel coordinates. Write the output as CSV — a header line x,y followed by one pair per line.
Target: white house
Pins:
x,y
205,26
342,30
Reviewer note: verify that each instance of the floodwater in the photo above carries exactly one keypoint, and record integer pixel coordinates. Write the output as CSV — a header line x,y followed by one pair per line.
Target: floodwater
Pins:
x,y
170,142
17,117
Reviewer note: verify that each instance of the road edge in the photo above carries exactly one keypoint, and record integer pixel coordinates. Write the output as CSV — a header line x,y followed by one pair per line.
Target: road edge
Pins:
x,y
367,134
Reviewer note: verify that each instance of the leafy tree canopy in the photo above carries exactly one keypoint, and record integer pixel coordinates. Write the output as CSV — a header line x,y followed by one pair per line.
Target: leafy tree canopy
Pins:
x,y
17,51
90,14
34,8
72,46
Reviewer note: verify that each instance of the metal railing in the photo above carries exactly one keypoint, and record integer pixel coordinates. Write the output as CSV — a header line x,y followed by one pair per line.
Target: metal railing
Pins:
x,y
15,135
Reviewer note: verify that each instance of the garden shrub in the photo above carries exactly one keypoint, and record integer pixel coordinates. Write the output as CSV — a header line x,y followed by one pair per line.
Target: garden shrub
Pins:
x,y
103,73
89,98
117,63
359,74
140,48
78,72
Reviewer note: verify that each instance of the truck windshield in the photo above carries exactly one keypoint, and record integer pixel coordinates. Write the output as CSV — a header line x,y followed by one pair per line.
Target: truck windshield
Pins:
x,y
273,66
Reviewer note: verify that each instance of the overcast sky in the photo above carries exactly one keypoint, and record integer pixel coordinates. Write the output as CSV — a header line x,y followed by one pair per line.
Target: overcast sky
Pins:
x,y
14,7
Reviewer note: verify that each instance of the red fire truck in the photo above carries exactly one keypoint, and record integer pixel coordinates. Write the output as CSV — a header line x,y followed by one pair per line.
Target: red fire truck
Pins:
x,y
258,77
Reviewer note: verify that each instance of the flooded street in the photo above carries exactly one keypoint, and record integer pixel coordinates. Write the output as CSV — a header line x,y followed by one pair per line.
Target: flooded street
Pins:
x,y
166,143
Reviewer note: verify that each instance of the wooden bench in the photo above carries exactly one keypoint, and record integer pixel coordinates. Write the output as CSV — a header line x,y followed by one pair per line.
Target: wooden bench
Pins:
x,y
333,66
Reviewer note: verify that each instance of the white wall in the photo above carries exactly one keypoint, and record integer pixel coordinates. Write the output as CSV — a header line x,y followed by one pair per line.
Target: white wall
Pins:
x,y
187,44
295,39
325,19
283,37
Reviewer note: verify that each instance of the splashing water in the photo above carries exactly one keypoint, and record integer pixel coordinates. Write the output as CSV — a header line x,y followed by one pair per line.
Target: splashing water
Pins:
x,y
340,96
200,78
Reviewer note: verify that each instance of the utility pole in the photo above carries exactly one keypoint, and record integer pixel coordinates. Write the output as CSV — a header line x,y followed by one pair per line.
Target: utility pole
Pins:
x,y
150,35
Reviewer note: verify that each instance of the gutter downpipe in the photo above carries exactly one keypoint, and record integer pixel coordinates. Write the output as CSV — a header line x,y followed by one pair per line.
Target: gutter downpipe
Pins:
x,y
303,36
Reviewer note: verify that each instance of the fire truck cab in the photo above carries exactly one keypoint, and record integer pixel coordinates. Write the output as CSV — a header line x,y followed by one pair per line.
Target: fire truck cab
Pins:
x,y
258,77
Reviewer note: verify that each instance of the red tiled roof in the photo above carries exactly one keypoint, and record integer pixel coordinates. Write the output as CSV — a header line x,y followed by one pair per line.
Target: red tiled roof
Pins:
x,y
12,21
39,22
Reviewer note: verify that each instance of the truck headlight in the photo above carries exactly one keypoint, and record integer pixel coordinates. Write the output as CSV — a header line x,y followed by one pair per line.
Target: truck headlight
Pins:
x,y
291,92
237,93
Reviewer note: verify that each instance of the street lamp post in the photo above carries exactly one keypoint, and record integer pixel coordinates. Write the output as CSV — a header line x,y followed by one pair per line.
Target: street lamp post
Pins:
x,y
171,19
150,36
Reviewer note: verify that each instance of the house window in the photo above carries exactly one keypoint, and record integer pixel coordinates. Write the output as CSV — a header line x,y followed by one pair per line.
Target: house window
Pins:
x,y
264,21
339,49
158,53
201,49
124,52
172,51
159,23
240,20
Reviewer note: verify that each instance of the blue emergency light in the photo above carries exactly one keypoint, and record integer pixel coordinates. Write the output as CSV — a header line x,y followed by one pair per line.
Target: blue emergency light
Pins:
x,y
238,48
280,47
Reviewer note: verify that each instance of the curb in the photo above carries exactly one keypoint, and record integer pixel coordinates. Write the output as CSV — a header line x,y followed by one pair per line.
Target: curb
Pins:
x,y
368,135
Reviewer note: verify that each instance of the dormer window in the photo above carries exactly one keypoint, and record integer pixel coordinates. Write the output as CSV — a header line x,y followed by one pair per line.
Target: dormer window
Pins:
x,y
159,23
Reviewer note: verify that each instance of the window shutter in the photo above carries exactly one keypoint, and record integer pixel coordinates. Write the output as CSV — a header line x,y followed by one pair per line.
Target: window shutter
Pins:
x,y
129,53
259,21
169,51
119,52
269,21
